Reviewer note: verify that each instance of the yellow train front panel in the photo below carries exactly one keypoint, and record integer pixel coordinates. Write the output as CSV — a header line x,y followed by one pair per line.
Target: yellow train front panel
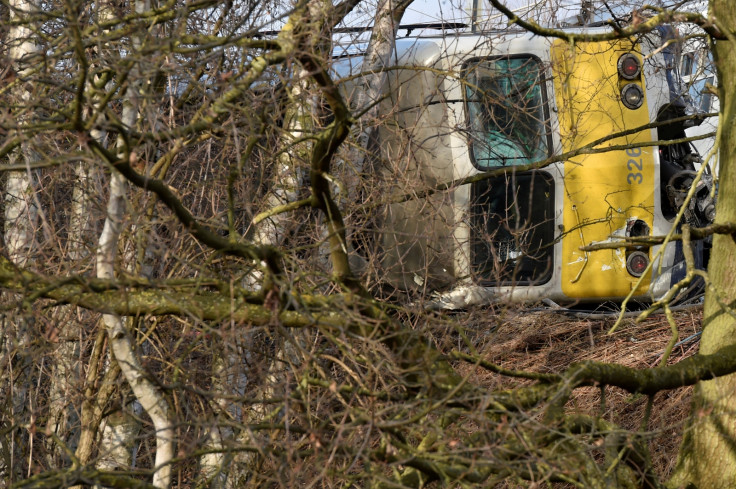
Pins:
x,y
604,190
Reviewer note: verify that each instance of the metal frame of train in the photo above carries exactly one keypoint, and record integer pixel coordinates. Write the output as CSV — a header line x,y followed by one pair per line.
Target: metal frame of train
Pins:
x,y
615,115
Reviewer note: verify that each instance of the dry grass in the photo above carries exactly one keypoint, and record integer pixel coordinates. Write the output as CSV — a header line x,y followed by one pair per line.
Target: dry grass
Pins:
x,y
550,342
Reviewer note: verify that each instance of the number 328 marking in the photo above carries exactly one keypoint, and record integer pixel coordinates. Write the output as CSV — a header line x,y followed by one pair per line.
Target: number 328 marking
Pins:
x,y
635,166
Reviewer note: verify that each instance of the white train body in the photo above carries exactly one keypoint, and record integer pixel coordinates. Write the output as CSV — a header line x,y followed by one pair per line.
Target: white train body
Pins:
x,y
464,105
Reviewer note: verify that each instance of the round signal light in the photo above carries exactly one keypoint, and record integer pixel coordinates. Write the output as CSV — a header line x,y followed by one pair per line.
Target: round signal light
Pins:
x,y
637,263
629,67
632,96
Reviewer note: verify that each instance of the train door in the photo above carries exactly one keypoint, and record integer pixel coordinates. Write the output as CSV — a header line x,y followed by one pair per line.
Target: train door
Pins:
x,y
512,215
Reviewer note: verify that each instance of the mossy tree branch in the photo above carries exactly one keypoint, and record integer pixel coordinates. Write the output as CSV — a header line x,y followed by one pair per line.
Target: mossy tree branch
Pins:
x,y
169,198
652,380
728,228
662,17
60,479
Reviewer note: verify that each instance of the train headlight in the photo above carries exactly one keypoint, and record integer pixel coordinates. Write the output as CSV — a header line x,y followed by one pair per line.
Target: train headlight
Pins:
x,y
629,67
632,96
637,263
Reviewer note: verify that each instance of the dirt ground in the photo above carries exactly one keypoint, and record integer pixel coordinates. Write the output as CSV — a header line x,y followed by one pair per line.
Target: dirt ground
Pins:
x,y
545,341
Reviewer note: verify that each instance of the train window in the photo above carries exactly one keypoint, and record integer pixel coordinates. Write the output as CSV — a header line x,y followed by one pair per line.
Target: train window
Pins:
x,y
512,222
688,64
710,66
505,103
700,94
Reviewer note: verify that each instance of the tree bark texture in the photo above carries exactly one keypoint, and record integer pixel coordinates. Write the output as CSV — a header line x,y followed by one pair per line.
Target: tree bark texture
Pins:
x,y
123,346
122,343
21,219
708,455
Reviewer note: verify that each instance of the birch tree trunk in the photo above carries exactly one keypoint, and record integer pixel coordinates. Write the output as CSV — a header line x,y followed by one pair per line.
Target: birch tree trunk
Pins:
x,y
374,75
21,213
21,220
119,430
292,164
66,372
368,94
122,343
288,173
230,374
219,468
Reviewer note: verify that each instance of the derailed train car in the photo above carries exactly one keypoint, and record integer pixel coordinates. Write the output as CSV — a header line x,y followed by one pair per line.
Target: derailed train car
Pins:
x,y
609,117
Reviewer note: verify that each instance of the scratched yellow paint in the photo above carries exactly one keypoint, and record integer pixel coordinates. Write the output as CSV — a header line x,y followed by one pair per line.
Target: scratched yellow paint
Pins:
x,y
601,191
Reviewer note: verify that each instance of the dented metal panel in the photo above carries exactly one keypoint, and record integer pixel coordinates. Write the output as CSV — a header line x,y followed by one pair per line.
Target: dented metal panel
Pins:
x,y
517,236
602,191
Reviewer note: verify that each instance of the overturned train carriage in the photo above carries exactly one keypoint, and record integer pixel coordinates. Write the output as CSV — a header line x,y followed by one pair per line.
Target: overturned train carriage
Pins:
x,y
463,106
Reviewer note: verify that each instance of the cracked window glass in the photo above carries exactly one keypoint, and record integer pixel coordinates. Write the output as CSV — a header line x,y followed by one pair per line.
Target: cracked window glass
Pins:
x,y
506,113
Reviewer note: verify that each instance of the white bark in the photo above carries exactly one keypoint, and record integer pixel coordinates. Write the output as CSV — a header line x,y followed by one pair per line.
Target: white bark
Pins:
x,y
64,379
299,122
21,213
21,219
146,392
150,396
290,166
119,437
66,372
119,430
288,176
214,466
377,57
231,378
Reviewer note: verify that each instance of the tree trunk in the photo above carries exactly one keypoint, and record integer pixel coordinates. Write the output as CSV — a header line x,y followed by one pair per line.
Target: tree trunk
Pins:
x,y
21,220
122,342
708,458
66,371
377,57
370,89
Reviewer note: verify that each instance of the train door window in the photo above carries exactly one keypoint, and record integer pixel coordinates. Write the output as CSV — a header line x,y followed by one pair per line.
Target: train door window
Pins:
x,y
700,94
710,67
512,229
505,105
688,65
